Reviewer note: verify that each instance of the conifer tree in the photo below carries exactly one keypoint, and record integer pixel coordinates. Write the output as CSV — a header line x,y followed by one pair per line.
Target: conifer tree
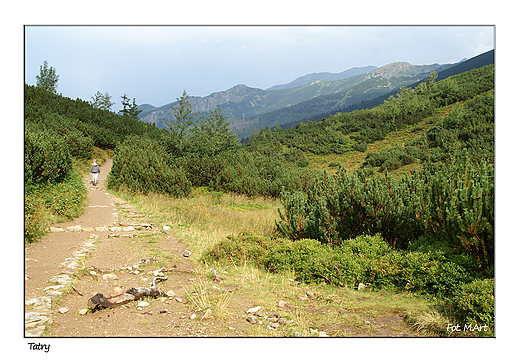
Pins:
x,y
48,79
184,119
129,109
102,101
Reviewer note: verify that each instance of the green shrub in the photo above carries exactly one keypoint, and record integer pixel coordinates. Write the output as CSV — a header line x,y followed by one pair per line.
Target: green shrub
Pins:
x,y
238,250
293,255
474,303
142,164
47,203
47,158
360,146
388,159
332,266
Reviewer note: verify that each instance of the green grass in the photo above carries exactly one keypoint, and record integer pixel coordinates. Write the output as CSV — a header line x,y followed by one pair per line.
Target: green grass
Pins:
x,y
207,217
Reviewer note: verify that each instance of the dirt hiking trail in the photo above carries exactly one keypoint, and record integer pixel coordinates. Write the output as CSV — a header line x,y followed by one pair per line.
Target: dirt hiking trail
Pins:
x,y
112,248
107,241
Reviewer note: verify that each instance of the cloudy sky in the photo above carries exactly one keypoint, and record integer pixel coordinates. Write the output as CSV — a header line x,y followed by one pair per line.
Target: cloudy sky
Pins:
x,y
155,64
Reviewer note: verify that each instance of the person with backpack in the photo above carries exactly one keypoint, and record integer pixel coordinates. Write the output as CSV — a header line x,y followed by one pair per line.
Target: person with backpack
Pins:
x,y
94,172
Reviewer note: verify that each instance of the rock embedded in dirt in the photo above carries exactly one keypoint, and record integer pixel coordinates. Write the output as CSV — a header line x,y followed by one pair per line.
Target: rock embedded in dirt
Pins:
x,y
63,310
82,311
77,228
54,287
254,310
143,304
53,293
110,277
252,319
118,290
41,304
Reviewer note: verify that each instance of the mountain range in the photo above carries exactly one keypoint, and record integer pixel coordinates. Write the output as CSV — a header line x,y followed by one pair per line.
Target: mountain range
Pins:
x,y
310,97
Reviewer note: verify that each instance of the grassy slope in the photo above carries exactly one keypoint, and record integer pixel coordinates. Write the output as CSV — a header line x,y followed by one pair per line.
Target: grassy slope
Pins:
x,y
354,159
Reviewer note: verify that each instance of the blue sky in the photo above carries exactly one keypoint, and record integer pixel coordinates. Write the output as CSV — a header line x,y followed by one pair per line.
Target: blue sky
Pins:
x,y
155,64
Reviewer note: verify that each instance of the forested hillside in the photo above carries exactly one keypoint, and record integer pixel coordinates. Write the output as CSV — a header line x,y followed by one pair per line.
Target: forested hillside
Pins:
x,y
417,215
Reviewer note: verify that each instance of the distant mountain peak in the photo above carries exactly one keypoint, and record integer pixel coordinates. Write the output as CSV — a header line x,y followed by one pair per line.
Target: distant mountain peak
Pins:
x,y
324,77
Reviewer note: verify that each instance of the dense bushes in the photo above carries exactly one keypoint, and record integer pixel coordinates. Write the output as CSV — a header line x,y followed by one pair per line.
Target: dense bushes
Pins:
x,y
467,126
46,158
105,128
410,107
473,305
142,164
388,159
454,203
366,259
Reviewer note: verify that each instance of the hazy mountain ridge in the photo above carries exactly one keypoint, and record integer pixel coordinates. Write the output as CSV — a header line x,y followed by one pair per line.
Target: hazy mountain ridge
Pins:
x,y
242,102
324,76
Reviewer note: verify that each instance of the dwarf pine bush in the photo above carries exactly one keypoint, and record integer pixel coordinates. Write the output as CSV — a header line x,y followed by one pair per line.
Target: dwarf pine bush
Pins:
x,y
142,164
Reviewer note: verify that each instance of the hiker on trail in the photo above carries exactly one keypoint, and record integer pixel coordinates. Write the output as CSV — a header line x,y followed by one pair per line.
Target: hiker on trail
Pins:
x,y
94,171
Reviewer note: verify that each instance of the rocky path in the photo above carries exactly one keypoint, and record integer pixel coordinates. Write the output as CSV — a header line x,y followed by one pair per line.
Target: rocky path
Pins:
x,y
55,265
51,263
109,249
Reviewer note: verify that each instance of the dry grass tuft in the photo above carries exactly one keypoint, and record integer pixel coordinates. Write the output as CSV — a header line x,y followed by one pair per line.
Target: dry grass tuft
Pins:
x,y
431,323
